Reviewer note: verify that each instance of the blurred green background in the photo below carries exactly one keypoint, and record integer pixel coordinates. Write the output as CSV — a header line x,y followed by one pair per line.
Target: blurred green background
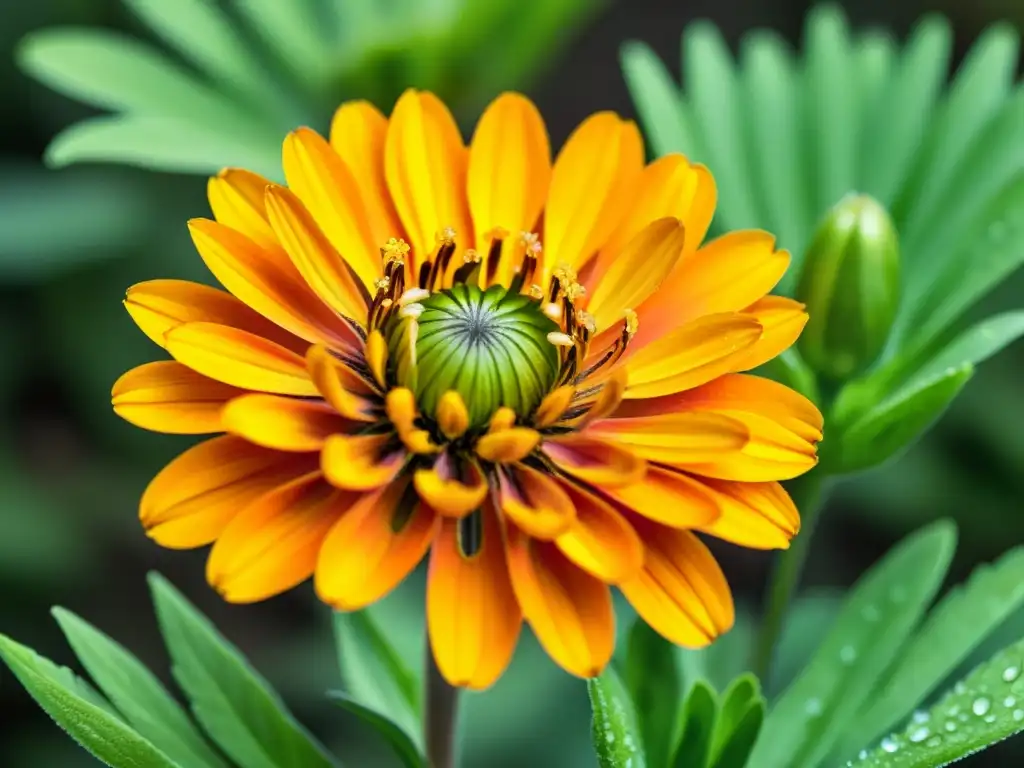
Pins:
x,y
72,240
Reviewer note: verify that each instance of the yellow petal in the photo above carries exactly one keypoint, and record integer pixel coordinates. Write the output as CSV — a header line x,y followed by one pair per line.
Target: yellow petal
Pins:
x,y
272,545
535,502
681,591
594,175
452,415
376,353
400,405
283,423
425,166
449,495
473,618
676,438
194,497
783,321
508,445
554,404
600,540
168,397
637,271
373,547
236,198
669,497
691,355
600,463
569,610
358,133
240,359
361,463
329,192
339,385
754,515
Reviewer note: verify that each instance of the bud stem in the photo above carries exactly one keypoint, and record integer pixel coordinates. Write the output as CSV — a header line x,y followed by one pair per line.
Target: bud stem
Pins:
x,y
441,714
807,493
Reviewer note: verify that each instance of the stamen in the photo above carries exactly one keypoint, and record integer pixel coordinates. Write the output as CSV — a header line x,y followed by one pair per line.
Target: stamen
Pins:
x,y
424,276
395,249
413,295
497,236
469,272
536,292
632,322
553,310
587,321
443,255
561,339
411,310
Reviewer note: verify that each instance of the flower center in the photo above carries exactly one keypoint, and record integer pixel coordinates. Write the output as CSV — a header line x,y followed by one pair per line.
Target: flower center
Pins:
x,y
489,346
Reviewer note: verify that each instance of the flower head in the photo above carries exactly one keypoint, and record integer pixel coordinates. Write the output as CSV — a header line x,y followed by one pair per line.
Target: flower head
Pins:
x,y
531,373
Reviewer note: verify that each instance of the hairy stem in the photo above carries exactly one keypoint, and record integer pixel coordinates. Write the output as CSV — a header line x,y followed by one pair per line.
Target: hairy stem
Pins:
x,y
441,714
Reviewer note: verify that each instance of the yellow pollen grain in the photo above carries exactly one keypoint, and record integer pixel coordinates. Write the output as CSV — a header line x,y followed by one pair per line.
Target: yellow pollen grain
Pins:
x,y
382,283
414,295
565,273
560,339
471,256
536,292
632,321
446,236
394,249
498,233
574,291
587,321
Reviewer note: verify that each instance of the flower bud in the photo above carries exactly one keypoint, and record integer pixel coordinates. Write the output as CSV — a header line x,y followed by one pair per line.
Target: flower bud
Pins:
x,y
850,283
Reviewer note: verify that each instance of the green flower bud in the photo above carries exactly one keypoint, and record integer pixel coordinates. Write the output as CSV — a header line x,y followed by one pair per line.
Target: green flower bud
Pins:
x,y
850,283
489,346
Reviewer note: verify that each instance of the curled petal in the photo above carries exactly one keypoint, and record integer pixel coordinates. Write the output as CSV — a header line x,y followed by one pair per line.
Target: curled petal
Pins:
x,y
361,463
168,397
449,495
783,321
339,385
283,423
507,445
594,461
536,502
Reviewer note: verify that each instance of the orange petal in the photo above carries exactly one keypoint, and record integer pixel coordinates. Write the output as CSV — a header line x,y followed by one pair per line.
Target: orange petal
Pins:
x,y
726,275
600,540
783,321
194,497
754,515
328,190
157,306
425,165
283,423
676,438
452,415
681,591
168,397
361,463
236,198
691,355
473,618
313,255
536,502
670,498
638,271
449,495
272,545
507,446
595,174
358,132
268,284
509,167
339,385
373,547
554,404
239,358
569,610
594,461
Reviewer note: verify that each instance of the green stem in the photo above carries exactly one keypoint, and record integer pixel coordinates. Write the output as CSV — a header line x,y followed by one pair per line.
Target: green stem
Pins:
x,y
806,492
442,702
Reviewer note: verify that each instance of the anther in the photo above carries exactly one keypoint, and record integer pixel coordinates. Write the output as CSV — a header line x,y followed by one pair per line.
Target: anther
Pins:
x,y
561,339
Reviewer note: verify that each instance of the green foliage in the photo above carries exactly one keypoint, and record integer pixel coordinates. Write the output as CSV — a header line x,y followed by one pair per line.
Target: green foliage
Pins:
x,y
653,676
395,737
614,726
697,728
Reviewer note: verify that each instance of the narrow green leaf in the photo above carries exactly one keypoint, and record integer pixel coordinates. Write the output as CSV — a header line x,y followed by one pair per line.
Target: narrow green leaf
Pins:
x,y
874,60
960,622
80,712
712,89
655,682
740,694
138,695
404,747
832,91
896,126
878,616
292,31
774,132
894,424
697,728
739,720
985,707
374,674
162,144
977,344
236,707
657,99
613,728
736,752
980,88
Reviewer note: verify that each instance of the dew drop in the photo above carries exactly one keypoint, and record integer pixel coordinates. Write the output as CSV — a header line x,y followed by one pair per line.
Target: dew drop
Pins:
x,y
963,718
1009,701
1018,715
950,726
870,614
919,734
1011,673
889,745
813,707
980,706
847,654
954,710
990,718
934,741
920,716
862,755
959,688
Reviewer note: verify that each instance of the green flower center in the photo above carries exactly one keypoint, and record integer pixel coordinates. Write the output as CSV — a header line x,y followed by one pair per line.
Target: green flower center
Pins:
x,y
489,346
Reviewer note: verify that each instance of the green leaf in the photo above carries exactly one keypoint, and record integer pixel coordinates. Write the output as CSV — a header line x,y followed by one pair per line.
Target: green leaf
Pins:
x,y
713,92
831,106
395,736
977,344
984,708
955,627
896,126
878,616
291,30
162,144
375,675
614,731
894,424
137,694
236,707
655,683
736,751
874,59
80,712
771,89
739,720
697,728
658,100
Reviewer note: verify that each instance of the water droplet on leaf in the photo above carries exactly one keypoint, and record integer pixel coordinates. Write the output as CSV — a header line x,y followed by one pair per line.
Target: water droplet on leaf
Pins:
x,y
980,706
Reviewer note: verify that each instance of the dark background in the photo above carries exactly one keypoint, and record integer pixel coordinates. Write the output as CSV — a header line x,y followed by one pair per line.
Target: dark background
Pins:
x,y
71,472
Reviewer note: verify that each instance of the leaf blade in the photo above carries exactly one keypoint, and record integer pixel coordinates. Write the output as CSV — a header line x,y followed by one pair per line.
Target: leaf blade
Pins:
x,y
655,683
396,737
658,100
614,731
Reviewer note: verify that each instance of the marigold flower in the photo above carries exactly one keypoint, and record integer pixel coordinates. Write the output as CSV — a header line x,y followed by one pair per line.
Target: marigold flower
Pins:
x,y
530,371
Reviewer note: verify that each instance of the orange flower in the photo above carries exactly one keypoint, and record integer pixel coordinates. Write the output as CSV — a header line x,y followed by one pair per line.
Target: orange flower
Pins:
x,y
402,368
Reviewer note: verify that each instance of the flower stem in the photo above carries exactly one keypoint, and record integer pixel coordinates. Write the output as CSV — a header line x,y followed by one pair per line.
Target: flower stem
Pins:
x,y
441,715
806,492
